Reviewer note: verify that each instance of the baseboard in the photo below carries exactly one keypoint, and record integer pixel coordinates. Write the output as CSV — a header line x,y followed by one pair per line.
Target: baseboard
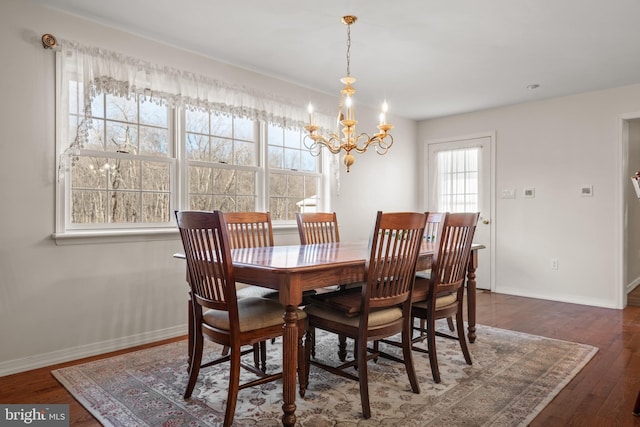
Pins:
x,y
631,286
60,356
558,298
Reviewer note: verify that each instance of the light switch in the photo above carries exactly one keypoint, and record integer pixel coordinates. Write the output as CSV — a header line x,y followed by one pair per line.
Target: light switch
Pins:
x,y
509,194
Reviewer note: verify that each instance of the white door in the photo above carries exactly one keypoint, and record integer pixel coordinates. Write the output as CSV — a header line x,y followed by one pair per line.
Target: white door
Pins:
x,y
459,180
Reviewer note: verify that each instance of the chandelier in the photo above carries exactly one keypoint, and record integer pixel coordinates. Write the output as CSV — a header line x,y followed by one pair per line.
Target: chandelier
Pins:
x,y
349,141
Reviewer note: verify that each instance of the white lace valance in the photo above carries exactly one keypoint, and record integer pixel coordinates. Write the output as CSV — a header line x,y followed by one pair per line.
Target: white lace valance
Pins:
x,y
99,70
110,72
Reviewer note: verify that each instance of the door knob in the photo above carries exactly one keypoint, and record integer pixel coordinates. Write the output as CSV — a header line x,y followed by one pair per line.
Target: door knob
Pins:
x,y
485,221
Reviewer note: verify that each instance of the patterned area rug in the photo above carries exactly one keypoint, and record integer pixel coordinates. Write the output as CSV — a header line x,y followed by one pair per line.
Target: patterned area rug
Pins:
x,y
513,377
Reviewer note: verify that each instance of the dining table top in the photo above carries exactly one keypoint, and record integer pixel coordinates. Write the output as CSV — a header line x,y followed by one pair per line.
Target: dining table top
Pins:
x,y
291,257
304,258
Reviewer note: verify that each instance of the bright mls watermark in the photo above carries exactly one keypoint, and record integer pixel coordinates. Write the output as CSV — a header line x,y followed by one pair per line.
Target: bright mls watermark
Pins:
x,y
34,415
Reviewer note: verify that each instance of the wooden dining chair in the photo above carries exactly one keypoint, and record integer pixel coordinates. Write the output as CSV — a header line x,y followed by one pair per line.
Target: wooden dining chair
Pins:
x,y
317,227
441,295
321,227
382,307
431,233
219,315
251,230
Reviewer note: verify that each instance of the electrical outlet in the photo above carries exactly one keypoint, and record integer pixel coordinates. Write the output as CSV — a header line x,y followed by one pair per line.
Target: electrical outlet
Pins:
x,y
554,263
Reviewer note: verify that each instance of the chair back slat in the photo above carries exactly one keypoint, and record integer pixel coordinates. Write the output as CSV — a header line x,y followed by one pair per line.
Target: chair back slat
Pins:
x,y
317,227
434,223
450,262
249,229
391,266
209,264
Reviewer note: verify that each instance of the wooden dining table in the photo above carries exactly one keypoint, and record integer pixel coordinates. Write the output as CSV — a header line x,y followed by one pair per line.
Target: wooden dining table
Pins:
x,y
293,269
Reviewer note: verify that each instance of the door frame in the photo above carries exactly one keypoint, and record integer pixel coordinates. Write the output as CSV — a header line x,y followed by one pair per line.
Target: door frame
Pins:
x,y
424,189
620,229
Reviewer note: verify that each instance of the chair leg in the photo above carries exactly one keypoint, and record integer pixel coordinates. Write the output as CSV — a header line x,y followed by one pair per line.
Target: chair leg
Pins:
x,y
190,328
408,357
310,336
312,343
196,361
461,336
234,386
303,377
636,408
363,378
450,323
256,355
431,348
342,347
263,356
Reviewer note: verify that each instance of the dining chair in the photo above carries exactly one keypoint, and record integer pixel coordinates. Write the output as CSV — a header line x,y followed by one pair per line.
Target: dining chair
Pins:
x,y
317,227
321,227
382,307
246,230
431,233
219,315
254,230
251,230
441,295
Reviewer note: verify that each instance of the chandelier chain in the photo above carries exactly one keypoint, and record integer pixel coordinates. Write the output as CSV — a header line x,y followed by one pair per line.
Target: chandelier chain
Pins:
x,y
348,50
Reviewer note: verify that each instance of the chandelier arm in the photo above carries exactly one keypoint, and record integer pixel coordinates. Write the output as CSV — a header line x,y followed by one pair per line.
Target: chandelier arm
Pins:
x,y
378,140
382,147
333,144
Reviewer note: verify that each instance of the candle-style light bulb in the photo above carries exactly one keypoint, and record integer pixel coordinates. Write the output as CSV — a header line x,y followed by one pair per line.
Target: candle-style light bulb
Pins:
x,y
348,103
383,115
310,110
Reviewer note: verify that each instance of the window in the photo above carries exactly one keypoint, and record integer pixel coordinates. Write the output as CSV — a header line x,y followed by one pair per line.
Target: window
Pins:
x,y
457,180
222,154
133,169
125,171
294,177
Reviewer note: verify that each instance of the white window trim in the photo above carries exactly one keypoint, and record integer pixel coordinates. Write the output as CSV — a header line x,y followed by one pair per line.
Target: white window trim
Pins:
x,y
77,234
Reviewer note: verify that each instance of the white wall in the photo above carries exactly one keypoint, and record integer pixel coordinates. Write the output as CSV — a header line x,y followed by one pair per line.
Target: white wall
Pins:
x,y
58,303
556,146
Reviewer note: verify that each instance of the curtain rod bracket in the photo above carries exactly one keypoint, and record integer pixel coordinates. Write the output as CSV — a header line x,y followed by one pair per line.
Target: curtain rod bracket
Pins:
x,y
49,41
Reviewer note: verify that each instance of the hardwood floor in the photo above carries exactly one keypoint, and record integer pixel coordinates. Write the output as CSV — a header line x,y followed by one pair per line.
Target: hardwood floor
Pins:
x,y
602,394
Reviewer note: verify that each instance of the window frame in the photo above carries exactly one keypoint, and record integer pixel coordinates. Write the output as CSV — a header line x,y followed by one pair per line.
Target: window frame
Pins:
x,y
68,233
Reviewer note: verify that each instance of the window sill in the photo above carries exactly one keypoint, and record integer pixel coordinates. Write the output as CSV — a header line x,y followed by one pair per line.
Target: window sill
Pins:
x,y
114,236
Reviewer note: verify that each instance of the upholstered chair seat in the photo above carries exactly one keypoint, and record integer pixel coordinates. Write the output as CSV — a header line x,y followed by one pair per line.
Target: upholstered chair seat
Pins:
x,y
253,313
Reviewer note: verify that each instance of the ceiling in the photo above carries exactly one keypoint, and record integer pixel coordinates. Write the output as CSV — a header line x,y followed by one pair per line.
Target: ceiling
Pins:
x,y
427,58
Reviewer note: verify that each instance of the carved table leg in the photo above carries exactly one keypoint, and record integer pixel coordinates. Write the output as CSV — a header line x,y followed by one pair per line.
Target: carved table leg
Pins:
x,y
289,365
